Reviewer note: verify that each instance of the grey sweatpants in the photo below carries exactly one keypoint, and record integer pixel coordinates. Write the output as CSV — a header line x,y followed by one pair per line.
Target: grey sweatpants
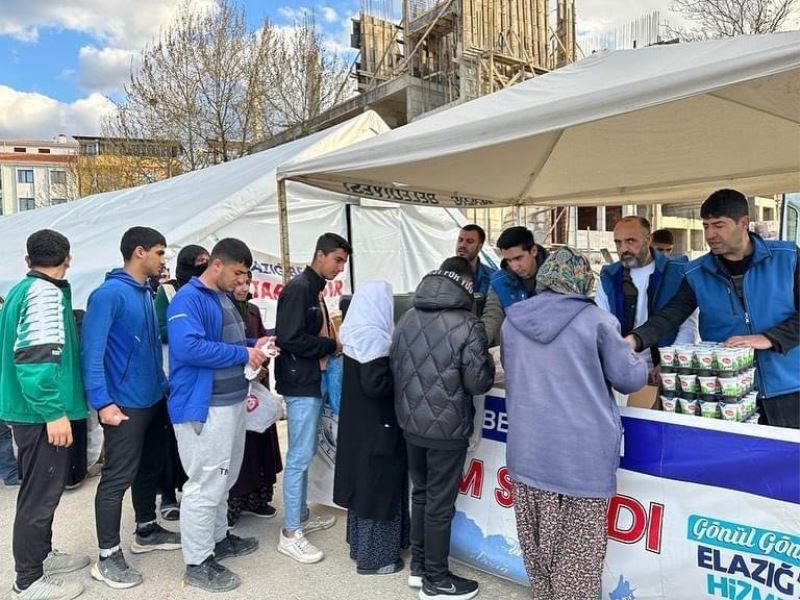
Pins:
x,y
211,459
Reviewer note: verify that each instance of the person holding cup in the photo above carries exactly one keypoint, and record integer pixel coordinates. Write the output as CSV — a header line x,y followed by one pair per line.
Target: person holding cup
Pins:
x,y
748,293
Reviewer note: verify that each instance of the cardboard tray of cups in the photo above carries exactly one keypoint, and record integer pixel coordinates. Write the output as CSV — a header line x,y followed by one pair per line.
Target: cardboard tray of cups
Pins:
x,y
709,380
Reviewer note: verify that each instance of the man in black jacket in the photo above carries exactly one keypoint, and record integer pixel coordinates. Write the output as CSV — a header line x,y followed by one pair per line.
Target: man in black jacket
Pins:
x,y
307,339
439,360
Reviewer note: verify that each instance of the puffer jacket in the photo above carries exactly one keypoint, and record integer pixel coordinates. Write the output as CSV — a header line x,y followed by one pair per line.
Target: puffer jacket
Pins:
x,y
439,360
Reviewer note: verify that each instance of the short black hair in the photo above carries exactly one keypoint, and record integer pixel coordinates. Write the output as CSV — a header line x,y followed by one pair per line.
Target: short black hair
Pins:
x,y
232,250
725,203
643,223
330,242
460,266
47,248
476,228
145,237
663,236
516,236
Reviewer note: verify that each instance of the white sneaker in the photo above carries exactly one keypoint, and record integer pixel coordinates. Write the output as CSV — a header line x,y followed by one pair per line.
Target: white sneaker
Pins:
x,y
299,548
61,562
48,588
317,523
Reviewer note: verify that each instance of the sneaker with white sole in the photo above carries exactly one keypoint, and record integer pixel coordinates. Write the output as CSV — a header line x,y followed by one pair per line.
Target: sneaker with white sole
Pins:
x,y
451,587
415,577
115,572
299,548
48,587
154,537
61,562
317,523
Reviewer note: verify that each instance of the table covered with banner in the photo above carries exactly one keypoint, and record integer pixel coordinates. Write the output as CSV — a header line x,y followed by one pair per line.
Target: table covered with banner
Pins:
x,y
704,509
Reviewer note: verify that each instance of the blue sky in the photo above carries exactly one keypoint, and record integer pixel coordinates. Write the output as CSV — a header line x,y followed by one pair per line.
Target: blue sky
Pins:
x,y
61,60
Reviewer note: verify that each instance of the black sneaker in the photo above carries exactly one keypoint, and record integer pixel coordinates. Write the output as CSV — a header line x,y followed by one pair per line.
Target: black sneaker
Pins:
x,y
211,576
170,512
154,537
394,567
451,587
262,512
115,572
233,545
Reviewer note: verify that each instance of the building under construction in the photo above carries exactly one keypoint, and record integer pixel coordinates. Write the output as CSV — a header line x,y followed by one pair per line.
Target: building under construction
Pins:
x,y
420,56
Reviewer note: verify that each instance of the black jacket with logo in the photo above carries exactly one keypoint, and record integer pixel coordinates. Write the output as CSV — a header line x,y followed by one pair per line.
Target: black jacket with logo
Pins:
x,y
297,326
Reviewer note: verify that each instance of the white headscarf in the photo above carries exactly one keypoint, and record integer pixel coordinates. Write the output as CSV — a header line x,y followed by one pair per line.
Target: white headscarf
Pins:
x,y
366,333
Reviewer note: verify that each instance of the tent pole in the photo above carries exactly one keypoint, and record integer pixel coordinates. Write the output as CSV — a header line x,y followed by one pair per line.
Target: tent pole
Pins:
x,y
352,270
283,227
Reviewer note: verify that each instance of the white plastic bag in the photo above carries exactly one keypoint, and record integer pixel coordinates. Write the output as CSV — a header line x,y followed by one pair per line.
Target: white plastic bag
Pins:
x,y
263,408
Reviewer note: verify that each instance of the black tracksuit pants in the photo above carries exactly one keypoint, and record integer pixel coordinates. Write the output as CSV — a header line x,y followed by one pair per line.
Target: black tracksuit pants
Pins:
x,y
46,468
435,475
134,453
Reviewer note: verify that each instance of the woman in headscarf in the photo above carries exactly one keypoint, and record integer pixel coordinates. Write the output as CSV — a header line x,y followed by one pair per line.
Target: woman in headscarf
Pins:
x,y
562,355
252,492
370,477
192,261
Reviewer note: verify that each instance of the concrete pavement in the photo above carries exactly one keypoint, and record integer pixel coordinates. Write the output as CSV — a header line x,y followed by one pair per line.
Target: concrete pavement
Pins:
x,y
265,574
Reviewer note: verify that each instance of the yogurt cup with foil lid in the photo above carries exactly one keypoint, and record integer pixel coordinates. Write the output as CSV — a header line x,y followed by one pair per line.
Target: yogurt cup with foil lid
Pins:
x,y
688,406
710,410
669,404
669,381
685,357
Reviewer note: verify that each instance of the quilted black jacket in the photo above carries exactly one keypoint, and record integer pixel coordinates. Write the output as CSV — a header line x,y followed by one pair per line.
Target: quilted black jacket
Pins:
x,y
439,359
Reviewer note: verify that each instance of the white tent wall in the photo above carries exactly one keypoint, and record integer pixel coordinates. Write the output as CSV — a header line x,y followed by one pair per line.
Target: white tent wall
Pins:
x,y
658,124
233,199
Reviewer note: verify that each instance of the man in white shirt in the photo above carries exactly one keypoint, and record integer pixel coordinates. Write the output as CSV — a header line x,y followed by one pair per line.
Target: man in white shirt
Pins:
x,y
642,282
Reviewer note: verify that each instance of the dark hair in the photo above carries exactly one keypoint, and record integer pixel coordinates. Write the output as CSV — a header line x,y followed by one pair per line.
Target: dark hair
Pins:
x,y
231,250
725,203
663,236
458,265
47,248
145,237
329,242
516,236
476,228
643,223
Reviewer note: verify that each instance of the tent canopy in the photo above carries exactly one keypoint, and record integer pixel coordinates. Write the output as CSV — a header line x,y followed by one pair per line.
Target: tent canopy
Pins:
x,y
658,124
238,199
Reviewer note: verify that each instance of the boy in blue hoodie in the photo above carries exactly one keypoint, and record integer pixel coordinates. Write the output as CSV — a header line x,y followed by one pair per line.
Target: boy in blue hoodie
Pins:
x,y
124,381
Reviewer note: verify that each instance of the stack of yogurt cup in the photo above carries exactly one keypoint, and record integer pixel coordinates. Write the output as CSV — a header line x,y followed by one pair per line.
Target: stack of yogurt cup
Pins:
x,y
709,380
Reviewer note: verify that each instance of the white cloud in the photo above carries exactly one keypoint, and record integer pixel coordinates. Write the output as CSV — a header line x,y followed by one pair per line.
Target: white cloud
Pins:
x,y
294,14
104,70
31,115
122,24
329,14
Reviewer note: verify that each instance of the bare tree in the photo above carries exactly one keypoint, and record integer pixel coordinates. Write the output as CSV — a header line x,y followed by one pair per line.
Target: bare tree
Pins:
x,y
221,88
729,18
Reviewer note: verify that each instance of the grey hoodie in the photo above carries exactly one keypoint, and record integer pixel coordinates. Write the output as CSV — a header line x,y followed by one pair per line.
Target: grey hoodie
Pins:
x,y
561,355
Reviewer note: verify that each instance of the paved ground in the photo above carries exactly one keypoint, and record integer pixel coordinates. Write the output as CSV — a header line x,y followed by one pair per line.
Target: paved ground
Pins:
x,y
266,574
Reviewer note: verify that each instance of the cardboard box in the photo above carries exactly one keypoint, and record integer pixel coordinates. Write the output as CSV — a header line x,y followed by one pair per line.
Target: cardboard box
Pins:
x,y
647,397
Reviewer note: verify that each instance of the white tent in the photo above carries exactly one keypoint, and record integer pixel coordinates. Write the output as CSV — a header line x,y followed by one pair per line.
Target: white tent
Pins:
x,y
659,124
238,199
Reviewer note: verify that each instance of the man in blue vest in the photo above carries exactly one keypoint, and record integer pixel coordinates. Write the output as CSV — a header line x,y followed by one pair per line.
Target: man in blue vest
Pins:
x,y
642,281
748,292
514,282
470,242
663,241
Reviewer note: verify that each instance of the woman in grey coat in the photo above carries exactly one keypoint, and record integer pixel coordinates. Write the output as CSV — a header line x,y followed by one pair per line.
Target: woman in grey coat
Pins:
x,y
562,354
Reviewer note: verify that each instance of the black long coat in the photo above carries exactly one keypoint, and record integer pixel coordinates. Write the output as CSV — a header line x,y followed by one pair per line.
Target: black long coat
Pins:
x,y
371,469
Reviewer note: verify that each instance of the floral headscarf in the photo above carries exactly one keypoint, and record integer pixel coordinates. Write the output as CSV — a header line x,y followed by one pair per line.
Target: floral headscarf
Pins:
x,y
565,272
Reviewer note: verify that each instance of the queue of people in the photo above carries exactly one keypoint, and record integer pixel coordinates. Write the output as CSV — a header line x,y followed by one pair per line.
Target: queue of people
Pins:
x,y
410,395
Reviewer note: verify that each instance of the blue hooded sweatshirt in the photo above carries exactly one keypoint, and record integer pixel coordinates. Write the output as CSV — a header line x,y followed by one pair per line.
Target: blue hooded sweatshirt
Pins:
x,y
120,346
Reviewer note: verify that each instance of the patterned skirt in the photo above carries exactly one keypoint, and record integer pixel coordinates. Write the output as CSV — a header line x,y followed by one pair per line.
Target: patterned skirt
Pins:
x,y
375,544
563,542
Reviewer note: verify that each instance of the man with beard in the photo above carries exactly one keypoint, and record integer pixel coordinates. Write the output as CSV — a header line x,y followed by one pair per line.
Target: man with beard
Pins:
x,y
748,292
643,280
470,242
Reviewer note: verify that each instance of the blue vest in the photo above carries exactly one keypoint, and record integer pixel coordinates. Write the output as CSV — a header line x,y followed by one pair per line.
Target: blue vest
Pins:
x,y
483,278
508,287
768,301
664,283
